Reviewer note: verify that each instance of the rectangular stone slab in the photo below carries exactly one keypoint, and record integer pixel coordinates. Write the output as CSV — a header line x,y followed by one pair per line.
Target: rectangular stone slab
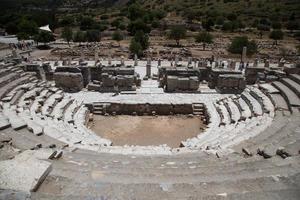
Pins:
x,y
23,173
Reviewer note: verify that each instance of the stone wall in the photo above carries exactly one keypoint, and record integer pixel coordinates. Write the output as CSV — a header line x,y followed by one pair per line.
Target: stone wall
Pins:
x,y
147,109
215,73
231,83
71,82
252,74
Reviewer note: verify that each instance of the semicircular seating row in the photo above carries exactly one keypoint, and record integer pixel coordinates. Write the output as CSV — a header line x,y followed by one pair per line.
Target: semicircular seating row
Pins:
x,y
44,109
258,110
27,102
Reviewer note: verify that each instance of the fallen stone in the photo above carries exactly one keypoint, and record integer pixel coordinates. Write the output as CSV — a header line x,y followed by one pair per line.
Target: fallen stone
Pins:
x,y
5,139
58,154
282,153
52,156
4,124
23,173
51,146
246,151
14,195
263,154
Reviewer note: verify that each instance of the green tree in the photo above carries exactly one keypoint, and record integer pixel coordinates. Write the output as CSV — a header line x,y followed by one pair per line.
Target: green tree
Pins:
x,y
93,36
117,36
276,25
67,21
11,28
22,36
177,33
276,35
238,43
28,27
137,25
142,39
292,25
136,48
67,34
135,11
79,36
204,38
298,49
86,23
207,24
44,37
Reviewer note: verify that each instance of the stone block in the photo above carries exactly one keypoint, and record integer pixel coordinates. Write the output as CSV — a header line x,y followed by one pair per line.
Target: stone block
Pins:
x,y
23,173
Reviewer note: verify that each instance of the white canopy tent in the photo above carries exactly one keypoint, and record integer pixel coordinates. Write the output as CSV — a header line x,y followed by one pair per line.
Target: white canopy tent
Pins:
x,y
45,28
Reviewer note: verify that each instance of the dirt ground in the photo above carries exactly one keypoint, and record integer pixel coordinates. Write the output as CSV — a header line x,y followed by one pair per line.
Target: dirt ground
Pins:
x,y
146,130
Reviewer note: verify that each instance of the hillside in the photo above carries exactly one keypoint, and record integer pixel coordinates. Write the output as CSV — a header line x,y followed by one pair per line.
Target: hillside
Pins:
x,y
226,15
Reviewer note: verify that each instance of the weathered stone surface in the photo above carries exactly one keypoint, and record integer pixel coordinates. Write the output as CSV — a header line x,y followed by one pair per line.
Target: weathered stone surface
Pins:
x,y
69,81
24,173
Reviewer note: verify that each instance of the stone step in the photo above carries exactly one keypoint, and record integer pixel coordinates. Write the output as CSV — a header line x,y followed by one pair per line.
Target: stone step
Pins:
x,y
287,93
292,85
4,123
295,77
98,112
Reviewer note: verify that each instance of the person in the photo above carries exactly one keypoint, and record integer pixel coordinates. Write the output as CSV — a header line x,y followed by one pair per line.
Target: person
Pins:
x,y
241,66
247,65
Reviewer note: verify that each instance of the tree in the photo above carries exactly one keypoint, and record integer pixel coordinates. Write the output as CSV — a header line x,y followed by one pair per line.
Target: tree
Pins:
x,y
44,37
86,23
67,34
93,36
238,43
11,28
135,11
79,36
136,48
276,25
207,24
177,33
142,39
67,21
28,27
292,25
137,25
22,36
276,35
204,38
117,36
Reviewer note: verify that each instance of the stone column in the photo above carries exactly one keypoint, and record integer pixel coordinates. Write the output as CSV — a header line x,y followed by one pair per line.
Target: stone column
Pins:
x,y
122,61
176,60
69,62
255,64
96,55
135,60
244,54
267,63
81,55
109,60
189,61
64,62
216,64
148,68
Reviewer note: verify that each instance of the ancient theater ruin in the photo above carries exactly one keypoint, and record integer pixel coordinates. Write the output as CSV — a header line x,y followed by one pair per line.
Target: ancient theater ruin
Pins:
x,y
140,108
78,124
